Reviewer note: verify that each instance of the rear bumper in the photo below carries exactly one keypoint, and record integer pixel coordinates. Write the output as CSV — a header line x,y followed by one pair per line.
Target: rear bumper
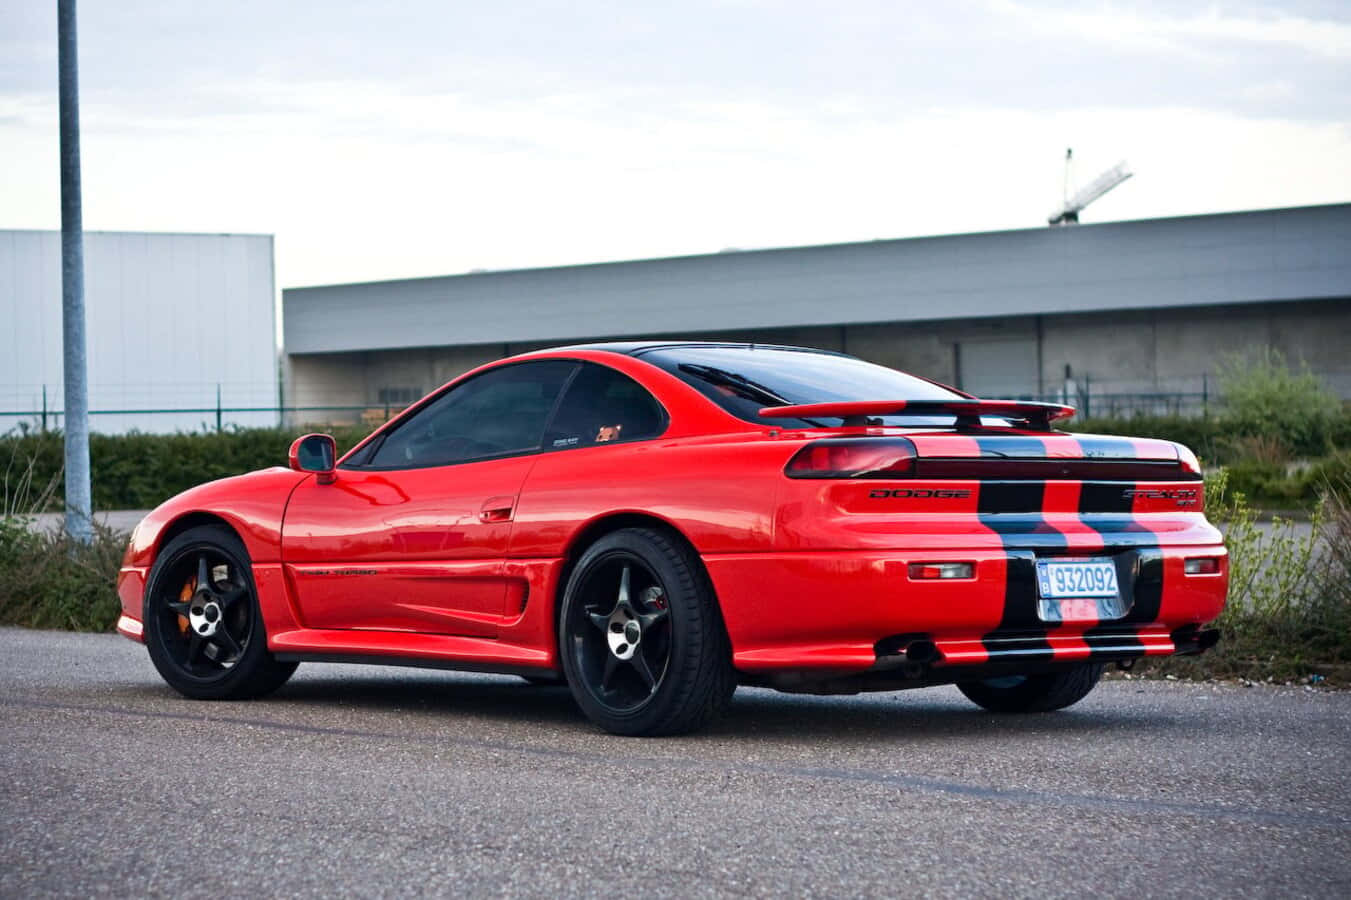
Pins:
x,y
848,611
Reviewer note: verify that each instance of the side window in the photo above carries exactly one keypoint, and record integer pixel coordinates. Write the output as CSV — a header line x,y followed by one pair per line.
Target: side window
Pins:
x,y
496,414
603,406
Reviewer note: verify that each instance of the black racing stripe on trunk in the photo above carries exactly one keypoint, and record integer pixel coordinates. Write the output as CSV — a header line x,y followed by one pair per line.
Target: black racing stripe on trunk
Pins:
x,y
1014,510
1023,499
1106,447
1031,532
1106,497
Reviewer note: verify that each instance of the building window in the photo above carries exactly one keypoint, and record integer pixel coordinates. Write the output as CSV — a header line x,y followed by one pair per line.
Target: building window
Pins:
x,y
399,396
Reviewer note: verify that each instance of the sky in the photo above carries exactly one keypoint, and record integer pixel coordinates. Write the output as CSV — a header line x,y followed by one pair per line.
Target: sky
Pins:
x,y
403,139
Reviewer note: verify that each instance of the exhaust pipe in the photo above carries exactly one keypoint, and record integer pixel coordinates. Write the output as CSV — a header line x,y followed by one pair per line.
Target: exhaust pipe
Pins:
x,y
922,652
919,655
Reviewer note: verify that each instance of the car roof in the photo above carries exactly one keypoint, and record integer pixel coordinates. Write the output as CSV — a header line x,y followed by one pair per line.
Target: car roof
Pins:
x,y
638,348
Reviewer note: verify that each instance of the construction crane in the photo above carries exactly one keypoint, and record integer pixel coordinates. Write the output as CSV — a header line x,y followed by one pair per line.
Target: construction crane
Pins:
x,y
1068,213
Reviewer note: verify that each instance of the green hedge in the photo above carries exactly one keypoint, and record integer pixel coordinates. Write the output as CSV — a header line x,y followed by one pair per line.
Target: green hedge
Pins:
x,y
140,471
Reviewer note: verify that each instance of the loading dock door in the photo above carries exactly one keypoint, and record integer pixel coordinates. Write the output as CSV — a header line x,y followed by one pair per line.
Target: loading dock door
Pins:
x,y
1005,368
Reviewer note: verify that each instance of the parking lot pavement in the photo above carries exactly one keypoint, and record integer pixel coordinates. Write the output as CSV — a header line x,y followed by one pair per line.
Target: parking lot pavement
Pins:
x,y
116,519
383,782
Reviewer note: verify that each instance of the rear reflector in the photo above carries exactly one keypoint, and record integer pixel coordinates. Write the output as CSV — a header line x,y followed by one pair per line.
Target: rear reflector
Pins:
x,y
853,458
1202,565
926,571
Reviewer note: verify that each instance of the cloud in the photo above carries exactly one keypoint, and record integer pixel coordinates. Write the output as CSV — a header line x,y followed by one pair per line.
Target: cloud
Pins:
x,y
1189,31
411,141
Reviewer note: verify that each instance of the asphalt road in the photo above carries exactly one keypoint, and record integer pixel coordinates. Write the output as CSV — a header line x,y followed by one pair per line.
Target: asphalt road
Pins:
x,y
383,782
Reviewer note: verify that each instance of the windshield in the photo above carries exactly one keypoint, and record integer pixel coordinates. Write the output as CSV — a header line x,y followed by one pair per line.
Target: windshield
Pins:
x,y
742,380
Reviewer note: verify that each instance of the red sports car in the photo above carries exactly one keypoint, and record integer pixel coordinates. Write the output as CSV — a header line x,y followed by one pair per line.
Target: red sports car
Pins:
x,y
656,523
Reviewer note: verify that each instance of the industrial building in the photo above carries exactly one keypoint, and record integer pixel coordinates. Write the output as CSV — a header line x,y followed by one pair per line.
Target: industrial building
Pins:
x,y
1129,313
181,330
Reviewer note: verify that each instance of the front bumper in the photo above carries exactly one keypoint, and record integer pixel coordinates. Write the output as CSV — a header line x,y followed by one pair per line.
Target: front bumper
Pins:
x,y
131,591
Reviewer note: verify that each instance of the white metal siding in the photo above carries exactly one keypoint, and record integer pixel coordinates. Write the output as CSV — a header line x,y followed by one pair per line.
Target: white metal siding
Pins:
x,y
169,317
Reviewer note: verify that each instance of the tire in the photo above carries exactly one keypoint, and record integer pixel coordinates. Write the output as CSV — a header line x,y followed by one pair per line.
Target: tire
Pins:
x,y
642,642
1033,693
209,643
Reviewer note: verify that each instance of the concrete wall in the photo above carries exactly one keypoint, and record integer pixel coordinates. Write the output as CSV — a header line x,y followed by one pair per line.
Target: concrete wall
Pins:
x,y
1163,351
353,381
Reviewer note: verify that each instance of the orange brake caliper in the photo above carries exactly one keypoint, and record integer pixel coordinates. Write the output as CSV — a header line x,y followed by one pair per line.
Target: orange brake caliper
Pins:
x,y
183,597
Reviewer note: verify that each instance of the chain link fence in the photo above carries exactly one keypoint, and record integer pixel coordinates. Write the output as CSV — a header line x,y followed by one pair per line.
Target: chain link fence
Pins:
x,y
1188,396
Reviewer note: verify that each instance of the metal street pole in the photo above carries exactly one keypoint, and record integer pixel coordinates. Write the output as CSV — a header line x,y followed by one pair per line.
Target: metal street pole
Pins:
x,y
79,505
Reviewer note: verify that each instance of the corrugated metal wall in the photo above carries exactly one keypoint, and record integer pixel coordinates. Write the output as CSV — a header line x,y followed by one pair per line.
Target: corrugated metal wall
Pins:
x,y
1247,257
170,317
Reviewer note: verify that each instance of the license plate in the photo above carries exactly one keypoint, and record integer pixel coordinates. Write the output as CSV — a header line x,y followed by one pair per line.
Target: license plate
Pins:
x,y
1080,590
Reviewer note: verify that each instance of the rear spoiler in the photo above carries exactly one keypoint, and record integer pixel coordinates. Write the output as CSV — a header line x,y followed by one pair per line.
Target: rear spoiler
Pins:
x,y
968,412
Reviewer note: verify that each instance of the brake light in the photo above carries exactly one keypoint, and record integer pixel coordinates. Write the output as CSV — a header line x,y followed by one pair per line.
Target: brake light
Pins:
x,y
1187,460
853,458
1202,565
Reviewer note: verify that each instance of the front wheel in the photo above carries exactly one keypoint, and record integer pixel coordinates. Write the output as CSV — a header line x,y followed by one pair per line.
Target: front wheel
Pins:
x,y
1033,693
641,639
203,626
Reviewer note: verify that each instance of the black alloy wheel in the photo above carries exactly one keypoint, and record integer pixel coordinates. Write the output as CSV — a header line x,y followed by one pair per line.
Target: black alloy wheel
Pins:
x,y
203,627
641,639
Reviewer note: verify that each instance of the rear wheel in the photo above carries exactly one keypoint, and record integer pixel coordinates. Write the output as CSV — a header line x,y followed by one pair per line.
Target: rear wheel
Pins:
x,y
203,627
642,643
1033,693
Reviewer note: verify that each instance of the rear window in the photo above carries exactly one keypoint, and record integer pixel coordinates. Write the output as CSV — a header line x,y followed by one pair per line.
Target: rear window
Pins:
x,y
742,380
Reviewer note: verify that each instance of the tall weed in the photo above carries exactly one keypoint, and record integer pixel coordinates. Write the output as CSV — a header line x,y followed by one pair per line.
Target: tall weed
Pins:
x,y
1286,616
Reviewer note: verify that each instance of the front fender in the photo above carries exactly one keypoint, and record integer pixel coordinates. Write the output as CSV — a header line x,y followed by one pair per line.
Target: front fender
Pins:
x,y
252,504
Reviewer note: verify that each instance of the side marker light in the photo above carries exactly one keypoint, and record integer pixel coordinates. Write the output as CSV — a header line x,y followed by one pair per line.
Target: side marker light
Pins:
x,y
1202,565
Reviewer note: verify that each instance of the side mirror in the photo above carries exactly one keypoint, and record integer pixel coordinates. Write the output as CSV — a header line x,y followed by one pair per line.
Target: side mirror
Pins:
x,y
316,453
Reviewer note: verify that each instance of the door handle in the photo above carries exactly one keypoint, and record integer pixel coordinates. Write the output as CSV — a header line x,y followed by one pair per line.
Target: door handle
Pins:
x,y
496,509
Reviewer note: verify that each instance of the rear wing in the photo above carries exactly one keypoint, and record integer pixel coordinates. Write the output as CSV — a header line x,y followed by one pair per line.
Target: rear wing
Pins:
x,y
968,412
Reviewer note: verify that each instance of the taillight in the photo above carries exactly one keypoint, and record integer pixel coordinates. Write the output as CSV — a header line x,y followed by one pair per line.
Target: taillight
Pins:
x,y
1188,461
853,458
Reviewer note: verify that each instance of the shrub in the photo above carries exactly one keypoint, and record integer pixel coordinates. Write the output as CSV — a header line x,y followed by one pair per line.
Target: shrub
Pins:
x,y
1332,616
1262,397
1289,610
140,471
50,581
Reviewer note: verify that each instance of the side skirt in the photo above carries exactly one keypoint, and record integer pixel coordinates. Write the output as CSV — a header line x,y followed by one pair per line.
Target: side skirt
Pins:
x,y
450,665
